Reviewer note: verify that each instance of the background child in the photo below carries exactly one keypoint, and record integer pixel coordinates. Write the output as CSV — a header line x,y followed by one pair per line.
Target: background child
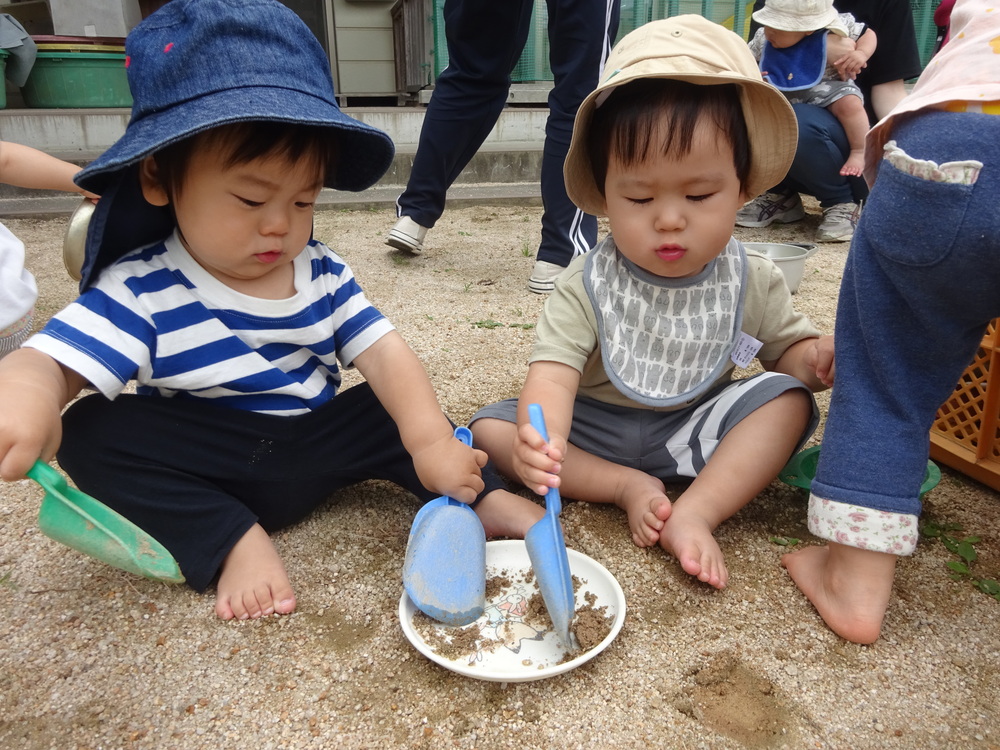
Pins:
x,y
25,167
229,317
791,49
635,348
921,283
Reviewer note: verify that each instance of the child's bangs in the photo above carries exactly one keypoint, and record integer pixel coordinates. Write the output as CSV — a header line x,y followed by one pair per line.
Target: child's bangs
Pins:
x,y
247,141
653,117
243,142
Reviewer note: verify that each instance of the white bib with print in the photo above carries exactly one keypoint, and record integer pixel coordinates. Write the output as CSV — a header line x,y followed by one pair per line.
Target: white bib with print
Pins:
x,y
665,341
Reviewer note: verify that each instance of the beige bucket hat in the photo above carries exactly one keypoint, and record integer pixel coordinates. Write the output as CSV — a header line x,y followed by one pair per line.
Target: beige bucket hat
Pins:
x,y
689,48
799,15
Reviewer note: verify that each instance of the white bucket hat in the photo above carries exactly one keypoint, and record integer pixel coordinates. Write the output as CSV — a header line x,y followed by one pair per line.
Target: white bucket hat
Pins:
x,y
797,15
693,49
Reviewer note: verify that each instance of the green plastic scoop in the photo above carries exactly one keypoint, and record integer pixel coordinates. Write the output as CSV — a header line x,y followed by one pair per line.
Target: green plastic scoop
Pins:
x,y
77,520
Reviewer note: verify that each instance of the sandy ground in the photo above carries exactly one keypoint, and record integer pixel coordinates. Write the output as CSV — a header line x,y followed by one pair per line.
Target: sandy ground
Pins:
x,y
96,658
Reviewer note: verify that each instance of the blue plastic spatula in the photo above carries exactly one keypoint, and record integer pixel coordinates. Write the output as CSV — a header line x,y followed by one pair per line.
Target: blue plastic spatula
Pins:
x,y
547,551
444,572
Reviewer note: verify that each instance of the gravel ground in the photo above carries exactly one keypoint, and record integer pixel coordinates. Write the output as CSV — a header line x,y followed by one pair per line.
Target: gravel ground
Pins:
x,y
96,658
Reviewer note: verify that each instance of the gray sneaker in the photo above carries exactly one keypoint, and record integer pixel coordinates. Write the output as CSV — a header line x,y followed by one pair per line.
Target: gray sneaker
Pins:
x,y
768,208
839,223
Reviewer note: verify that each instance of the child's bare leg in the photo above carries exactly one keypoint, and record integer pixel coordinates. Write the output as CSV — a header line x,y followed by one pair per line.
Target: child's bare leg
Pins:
x,y
744,463
505,514
849,587
253,582
850,110
587,477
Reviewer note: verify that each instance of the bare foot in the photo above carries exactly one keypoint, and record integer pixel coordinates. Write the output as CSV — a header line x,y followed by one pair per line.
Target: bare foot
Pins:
x,y
637,496
253,582
688,537
505,514
849,587
854,166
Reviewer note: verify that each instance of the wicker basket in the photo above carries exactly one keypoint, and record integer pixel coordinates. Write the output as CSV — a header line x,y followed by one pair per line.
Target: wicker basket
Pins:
x,y
966,431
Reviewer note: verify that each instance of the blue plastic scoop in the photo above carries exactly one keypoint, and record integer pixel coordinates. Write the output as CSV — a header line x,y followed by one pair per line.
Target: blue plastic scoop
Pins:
x,y
444,572
547,551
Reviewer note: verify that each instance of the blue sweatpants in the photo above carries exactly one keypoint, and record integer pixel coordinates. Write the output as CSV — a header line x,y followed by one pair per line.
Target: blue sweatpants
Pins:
x,y
922,281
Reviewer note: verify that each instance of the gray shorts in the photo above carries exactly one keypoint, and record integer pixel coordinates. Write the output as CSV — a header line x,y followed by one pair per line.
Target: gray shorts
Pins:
x,y
667,444
825,93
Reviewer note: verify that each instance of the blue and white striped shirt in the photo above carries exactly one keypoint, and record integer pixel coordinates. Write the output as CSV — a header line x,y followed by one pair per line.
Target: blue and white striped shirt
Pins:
x,y
156,316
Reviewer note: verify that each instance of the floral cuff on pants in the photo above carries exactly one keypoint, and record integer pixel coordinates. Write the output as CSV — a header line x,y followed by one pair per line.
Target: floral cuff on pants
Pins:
x,y
865,528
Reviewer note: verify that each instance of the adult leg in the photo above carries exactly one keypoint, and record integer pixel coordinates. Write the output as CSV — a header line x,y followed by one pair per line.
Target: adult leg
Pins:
x,y
821,151
581,33
920,285
485,40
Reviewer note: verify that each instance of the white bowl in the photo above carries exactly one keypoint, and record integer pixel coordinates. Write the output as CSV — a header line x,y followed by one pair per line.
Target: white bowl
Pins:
x,y
791,259
527,654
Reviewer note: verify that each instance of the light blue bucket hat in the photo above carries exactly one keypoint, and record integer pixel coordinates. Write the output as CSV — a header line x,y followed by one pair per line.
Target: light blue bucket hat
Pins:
x,y
194,65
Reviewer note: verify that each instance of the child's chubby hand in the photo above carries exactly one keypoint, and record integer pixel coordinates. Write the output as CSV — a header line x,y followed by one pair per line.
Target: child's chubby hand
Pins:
x,y
536,461
450,467
850,65
837,48
30,428
33,393
820,359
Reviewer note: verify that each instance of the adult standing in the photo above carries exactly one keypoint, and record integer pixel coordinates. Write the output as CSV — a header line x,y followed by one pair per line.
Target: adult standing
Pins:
x,y
823,146
485,40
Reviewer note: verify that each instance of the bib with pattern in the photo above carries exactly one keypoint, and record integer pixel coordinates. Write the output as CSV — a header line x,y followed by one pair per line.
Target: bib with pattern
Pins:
x,y
665,341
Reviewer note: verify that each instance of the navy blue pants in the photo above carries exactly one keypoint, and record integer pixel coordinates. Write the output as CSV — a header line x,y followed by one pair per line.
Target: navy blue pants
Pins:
x,y
821,151
197,476
485,40
921,284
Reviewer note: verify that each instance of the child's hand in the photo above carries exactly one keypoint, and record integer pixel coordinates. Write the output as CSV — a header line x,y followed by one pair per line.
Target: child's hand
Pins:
x,y
33,391
837,47
450,467
820,359
30,428
849,65
537,462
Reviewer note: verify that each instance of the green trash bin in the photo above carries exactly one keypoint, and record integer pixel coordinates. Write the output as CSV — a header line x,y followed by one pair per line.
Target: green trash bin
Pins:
x,y
3,78
67,79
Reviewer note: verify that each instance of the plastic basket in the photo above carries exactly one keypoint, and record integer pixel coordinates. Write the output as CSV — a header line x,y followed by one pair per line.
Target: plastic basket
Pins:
x,y
77,79
966,431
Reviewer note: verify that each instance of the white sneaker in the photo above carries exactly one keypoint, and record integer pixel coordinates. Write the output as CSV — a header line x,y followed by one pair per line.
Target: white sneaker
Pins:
x,y
839,223
407,235
543,277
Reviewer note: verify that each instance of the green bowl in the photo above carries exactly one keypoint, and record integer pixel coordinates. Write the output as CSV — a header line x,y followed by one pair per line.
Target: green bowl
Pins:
x,y
801,470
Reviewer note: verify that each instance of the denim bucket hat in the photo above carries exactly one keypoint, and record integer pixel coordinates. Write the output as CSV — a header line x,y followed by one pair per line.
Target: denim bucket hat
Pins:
x,y
194,65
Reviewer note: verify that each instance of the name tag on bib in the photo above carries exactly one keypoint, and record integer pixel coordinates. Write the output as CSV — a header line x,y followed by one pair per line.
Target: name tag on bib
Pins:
x,y
746,349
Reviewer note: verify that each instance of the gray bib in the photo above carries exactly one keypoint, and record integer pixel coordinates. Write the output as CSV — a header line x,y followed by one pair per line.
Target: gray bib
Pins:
x,y
665,341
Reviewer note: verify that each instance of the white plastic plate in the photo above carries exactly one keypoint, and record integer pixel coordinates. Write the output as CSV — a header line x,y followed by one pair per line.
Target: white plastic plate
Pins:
x,y
526,653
